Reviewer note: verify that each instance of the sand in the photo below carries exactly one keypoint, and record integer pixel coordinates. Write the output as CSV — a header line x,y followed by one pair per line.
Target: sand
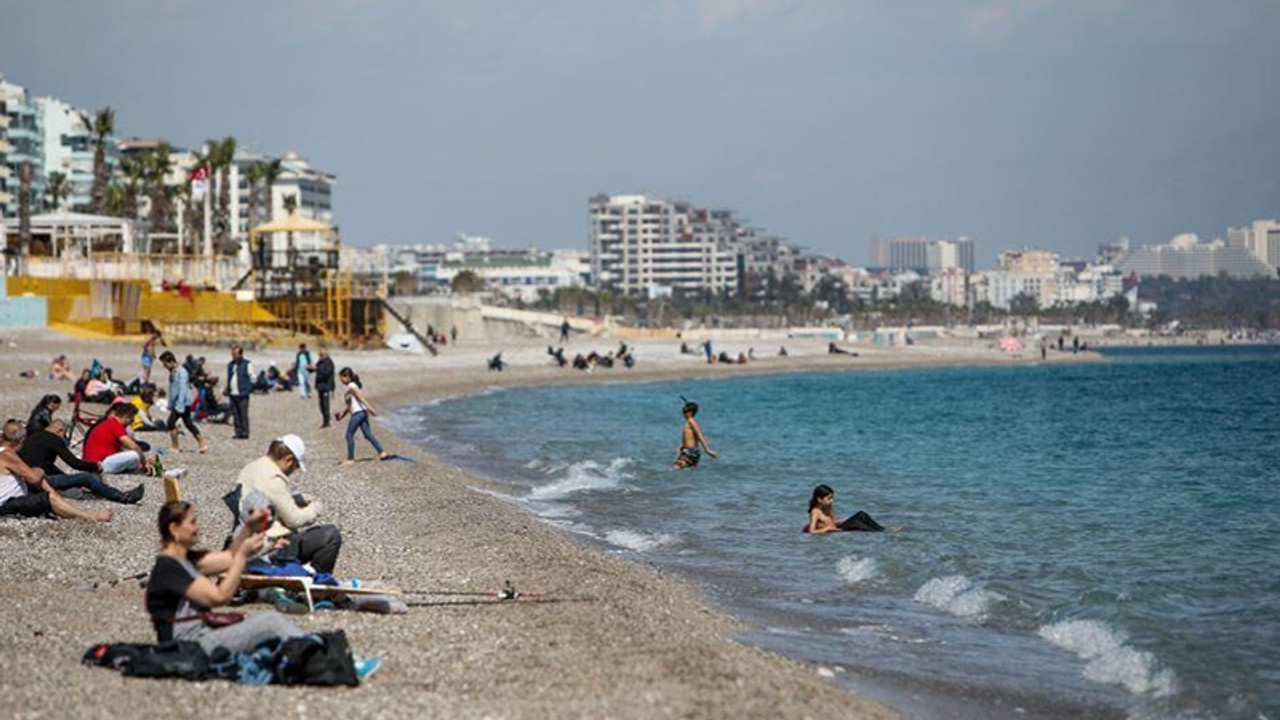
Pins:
x,y
622,640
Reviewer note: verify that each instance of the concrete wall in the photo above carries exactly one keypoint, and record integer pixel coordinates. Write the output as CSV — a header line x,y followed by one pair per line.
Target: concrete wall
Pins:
x,y
21,311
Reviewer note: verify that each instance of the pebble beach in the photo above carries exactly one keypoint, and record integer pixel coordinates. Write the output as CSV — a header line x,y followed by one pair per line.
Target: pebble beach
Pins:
x,y
613,640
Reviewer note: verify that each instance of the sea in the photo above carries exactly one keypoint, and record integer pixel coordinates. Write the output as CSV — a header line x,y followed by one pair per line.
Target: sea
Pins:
x,y
1066,540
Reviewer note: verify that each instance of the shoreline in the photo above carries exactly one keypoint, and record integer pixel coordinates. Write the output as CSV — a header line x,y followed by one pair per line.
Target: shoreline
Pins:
x,y
626,640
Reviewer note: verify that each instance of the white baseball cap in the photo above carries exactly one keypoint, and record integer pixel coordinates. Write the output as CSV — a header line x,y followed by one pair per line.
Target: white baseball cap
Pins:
x,y
297,447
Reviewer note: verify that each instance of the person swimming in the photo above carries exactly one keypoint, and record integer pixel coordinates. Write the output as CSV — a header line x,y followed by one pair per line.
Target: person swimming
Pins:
x,y
822,515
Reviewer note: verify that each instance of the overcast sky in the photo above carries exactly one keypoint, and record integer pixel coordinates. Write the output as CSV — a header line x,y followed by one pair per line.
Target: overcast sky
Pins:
x,y
1043,123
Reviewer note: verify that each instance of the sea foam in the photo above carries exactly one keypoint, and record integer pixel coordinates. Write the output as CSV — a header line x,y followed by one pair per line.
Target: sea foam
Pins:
x,y
1111,661
855,569
586,475
638,541
957,595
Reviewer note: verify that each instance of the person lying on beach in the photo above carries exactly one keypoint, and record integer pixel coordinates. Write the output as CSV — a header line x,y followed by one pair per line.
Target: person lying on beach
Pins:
x,y
23,489
692,441
832,349
822,515
42,413
60,369
293,529
43,448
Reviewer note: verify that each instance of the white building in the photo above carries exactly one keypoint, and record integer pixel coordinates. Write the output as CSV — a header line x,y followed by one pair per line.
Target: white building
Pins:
x,y
638,242
523,277
950,287
922,254
68,149
21,141
1262,238
1186,257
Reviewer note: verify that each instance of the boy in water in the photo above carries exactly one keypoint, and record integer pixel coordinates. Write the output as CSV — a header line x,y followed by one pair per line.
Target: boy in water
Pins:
x,y
691,438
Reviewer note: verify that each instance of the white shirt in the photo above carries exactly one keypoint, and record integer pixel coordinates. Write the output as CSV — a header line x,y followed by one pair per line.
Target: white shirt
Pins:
x,y
10,486
355,405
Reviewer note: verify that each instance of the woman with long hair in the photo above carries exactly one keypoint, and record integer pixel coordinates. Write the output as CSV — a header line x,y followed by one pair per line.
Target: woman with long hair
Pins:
x,y
359,410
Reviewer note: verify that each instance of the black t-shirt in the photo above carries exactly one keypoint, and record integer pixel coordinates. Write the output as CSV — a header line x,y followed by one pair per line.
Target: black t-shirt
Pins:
x,y
42,449
166,595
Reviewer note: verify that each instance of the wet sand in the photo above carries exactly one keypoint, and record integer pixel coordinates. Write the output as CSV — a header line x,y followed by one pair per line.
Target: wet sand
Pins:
x,y
618,640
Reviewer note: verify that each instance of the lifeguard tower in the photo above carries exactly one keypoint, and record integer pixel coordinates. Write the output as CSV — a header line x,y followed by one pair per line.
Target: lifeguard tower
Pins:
x,y
297,275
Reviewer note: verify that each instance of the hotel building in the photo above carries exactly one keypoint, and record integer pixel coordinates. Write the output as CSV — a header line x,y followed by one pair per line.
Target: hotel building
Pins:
x,y
1186,257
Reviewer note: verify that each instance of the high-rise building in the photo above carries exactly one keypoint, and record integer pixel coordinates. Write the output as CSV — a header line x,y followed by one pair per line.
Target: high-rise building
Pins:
x,y
922,254
1186,257
21,141
1257,239
68,149
641,244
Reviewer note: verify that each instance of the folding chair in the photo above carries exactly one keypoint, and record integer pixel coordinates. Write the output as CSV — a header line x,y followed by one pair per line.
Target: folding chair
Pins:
x,y
82,421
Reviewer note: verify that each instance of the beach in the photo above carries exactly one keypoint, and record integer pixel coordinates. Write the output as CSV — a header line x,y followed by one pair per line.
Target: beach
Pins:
x,y
618,639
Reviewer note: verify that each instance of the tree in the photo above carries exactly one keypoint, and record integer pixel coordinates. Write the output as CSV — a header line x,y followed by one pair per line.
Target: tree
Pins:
x,y
252,177
104,125
467,282
1024,304
57,188
270,172
290,203
24,209
134,176
157,165
222,155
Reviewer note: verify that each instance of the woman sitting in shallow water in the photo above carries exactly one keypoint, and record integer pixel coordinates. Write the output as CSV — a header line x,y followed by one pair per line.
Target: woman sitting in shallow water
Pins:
x,y
822,515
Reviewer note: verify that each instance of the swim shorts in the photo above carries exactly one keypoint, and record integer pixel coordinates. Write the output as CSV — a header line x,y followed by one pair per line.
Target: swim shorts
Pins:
x,y
691,455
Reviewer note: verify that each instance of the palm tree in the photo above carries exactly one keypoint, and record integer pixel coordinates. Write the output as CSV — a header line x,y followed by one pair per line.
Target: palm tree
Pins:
x,y
221,158
24,209
57,188
104,125
270,173
135,173
290,203
158,165
253,176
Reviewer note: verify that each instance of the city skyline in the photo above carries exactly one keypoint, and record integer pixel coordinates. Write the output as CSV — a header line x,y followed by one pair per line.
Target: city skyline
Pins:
x,y
1035,123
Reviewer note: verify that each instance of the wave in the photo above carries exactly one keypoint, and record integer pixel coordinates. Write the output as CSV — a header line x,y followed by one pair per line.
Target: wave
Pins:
x,y
638,541
586,475
957,595
855,569
1111,661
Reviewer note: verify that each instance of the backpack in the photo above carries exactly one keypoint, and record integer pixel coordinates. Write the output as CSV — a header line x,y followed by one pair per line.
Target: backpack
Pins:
x,y
319,659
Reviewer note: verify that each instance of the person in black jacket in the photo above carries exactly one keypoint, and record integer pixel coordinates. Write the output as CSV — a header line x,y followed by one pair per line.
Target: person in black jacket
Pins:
x,y
42,414
324,385
43,448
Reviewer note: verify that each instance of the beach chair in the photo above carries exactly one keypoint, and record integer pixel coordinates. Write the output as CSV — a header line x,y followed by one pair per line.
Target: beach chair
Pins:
x,y
82,421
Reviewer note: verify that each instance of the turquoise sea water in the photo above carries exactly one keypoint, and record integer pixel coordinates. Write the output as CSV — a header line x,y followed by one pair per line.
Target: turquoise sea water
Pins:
x,y
1079,540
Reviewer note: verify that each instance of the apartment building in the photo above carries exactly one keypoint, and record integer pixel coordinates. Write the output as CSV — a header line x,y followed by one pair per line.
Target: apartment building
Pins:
x,y
922,254
68,148
1261,238
21,141
641,244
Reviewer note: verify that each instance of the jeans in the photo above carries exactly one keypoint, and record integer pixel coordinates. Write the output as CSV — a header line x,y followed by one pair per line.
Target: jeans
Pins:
x,y
360,421
324,396
122,462
89,482
304,383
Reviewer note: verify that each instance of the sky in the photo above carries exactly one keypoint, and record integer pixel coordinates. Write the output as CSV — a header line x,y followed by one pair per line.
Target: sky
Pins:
x,y
1056,124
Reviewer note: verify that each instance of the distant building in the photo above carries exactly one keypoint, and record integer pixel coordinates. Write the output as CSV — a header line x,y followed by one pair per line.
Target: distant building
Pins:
x,y
21,141
638,242
68,148
950,287
1261,238
924,255
1186,257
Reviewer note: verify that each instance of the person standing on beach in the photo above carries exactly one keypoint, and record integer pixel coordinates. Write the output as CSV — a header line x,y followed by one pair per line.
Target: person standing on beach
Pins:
x,y
239,388
692,441
180,402
564,331
324,385
149,355
359,410
302,365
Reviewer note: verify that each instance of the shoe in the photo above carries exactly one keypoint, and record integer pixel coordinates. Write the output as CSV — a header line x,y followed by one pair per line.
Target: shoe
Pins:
x,y
367,667
176,473
134,496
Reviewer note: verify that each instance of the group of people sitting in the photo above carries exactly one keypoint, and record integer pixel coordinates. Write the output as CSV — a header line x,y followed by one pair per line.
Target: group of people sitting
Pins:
x,y
592,360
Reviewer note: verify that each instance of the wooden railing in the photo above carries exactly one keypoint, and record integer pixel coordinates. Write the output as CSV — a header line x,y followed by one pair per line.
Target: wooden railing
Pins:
x,y
220,271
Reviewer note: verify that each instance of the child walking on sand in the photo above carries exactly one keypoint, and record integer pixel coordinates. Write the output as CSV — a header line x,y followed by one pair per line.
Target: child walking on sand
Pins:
x,y
359,409
692,441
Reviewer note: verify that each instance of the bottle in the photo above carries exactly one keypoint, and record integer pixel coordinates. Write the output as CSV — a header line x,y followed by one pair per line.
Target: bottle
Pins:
x,y
157,467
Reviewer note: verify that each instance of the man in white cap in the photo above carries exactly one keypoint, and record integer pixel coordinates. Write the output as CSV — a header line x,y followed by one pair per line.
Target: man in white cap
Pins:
x,y
293,530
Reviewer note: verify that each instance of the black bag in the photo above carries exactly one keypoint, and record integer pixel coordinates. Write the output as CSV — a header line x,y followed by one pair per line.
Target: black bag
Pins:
x,y
178,659
320,659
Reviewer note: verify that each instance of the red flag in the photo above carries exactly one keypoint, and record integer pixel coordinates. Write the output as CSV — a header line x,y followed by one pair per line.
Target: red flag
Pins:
x,y
200,173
